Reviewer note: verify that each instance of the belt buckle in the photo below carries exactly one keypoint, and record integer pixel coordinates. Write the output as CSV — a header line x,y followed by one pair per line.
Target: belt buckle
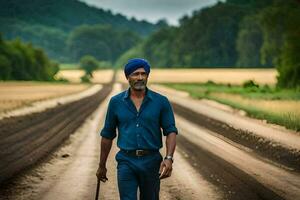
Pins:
x,y
139,152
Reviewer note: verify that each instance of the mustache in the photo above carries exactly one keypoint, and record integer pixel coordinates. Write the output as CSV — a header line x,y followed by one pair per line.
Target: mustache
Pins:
x,y
140,83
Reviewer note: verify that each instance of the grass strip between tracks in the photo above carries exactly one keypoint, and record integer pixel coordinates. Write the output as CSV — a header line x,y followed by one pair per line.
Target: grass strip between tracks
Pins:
x,y
278,106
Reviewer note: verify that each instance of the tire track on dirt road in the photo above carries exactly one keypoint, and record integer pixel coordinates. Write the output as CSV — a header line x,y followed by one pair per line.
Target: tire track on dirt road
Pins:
x,y
263,147
275,143
236,172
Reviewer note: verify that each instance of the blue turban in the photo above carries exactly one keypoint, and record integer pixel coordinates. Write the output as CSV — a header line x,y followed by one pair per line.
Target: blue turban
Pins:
x,y
134,64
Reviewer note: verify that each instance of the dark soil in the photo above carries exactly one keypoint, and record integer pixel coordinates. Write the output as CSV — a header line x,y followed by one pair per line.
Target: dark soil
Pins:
x,y
26,139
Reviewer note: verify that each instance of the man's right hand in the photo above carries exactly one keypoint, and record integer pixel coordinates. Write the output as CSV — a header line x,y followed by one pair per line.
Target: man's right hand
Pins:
x,y
101,174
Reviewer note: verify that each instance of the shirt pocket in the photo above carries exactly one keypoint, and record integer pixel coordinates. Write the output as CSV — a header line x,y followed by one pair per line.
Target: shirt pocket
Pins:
x,y
125,116
151,116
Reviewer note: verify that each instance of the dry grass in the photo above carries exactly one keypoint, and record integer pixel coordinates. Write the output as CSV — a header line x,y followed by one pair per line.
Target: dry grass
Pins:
x,y
274,106
103,76
233,76
17,94
278,106
100,76
71,75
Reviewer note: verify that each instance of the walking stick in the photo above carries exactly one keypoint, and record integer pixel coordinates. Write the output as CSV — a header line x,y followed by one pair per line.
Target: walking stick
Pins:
x,y
97,189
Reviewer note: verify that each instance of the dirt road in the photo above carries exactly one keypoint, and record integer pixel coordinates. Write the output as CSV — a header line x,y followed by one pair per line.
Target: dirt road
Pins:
x,y
207,166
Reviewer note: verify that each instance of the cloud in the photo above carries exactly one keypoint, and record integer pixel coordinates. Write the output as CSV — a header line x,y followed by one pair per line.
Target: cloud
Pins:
x,y
152,10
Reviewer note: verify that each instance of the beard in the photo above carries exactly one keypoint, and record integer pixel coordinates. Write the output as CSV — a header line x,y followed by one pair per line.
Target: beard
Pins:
x,y
138,85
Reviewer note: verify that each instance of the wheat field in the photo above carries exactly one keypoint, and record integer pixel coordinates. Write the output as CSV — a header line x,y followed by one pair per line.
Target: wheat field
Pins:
x,y
275,106
17,94
225,76
232,76
99,76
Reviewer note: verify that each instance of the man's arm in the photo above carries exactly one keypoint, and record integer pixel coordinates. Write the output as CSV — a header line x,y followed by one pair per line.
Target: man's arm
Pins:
x,y
166,165
170,144
105,149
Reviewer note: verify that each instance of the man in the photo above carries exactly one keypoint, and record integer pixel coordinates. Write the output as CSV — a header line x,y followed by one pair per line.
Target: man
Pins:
x,y
140,116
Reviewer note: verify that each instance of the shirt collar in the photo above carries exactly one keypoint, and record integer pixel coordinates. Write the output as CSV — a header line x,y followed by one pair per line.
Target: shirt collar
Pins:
x,y
148,93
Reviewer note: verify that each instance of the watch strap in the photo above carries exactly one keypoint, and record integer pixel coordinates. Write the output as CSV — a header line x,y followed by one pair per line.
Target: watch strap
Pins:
x,y
169,158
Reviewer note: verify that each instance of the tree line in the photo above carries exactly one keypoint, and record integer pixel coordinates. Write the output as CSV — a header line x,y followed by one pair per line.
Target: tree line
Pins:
x,y
20,61
234,33
100,41
104,42
50,24
68,14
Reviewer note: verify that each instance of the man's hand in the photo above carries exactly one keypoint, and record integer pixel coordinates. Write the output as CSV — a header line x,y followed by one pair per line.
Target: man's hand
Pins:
x,y
165,170
101,174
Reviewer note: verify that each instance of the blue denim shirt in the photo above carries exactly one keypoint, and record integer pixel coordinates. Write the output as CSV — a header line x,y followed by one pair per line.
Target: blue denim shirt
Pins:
x,y
139,130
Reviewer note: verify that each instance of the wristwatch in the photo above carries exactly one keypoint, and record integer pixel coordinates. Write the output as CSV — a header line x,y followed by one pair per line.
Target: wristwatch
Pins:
x,y
169,158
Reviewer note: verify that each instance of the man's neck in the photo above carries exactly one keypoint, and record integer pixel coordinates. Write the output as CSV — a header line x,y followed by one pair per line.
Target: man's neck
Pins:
x,y
137,93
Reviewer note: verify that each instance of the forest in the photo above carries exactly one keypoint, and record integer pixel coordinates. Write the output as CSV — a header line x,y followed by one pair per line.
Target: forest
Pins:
x,y
231,33
20,61
52,24
234,33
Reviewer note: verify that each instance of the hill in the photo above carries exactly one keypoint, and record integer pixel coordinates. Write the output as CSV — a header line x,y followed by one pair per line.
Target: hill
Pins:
x,y
67,14
49,23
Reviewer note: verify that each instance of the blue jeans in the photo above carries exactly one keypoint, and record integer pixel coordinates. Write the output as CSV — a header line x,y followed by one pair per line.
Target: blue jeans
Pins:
x,y
138,172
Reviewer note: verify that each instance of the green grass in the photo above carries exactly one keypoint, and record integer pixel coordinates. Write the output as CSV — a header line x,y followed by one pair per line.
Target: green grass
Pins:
x,y
287,119
265,92
68,66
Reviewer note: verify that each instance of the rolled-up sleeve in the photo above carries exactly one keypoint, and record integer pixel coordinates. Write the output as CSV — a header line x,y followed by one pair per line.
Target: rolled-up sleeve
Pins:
x,y
109,129
167,120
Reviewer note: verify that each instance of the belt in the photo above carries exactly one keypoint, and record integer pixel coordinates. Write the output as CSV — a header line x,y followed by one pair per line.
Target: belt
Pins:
x,y
139,152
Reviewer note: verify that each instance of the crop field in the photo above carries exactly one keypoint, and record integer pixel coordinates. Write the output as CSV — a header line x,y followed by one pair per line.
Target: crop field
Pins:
x,y
102,76
233,76
278,106
281,107
73,75
284,112
17,94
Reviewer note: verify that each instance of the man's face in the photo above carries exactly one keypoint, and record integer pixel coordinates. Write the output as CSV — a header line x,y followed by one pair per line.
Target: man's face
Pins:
x,y
138,79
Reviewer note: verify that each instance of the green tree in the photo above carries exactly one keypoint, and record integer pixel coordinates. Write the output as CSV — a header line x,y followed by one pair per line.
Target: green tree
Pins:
x,y
160,48
20,61
5,63
5,68
281,29
135,52
89,64
207,38
102,42
249,42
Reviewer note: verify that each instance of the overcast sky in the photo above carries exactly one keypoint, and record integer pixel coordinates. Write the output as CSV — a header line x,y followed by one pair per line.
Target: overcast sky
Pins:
x,y
152,10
